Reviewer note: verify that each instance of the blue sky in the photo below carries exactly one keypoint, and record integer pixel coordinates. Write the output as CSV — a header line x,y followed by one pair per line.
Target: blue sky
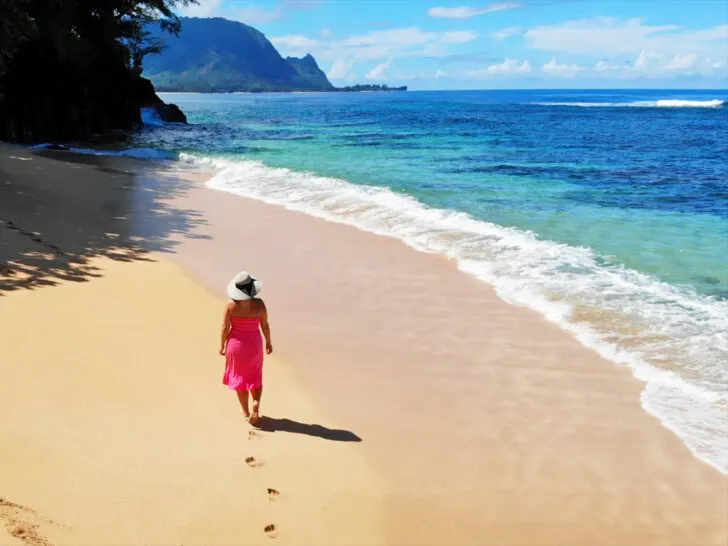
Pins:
x,y
458,44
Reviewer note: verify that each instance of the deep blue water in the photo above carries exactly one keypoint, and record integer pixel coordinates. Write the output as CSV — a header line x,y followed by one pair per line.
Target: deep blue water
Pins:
x,y
605,210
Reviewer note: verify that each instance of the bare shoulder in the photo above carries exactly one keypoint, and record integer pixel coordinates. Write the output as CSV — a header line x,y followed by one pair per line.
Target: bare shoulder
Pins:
x,y
260,305
230,306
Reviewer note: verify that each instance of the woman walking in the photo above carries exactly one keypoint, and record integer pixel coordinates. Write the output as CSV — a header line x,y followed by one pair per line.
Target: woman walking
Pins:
x,y
241,344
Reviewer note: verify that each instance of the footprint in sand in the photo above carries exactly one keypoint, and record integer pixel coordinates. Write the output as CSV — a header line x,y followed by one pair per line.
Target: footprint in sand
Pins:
x,y
254,435
19,523
271,531
253,462
273,494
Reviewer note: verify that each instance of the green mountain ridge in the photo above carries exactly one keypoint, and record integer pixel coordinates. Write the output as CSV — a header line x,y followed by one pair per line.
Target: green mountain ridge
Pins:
x,y
218,55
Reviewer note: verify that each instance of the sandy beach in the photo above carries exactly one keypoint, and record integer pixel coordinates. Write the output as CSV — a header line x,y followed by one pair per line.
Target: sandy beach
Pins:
x,y
406,403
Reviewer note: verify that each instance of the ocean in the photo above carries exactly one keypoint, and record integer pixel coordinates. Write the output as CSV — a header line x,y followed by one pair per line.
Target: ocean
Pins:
x,y
606,211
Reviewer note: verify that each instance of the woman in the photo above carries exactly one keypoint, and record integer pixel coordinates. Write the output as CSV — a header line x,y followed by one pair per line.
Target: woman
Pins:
x,y
241,344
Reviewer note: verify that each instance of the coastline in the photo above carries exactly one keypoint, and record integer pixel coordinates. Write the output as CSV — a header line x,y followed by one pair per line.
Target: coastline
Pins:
x,y
308,92
536,273
478,433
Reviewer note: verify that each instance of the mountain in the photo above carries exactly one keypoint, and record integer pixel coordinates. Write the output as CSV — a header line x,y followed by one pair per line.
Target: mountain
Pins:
x,y
218,55
309,71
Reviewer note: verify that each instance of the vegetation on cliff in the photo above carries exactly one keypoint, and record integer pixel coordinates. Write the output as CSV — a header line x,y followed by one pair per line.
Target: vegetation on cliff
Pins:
x,y
218,55
71,68
370,87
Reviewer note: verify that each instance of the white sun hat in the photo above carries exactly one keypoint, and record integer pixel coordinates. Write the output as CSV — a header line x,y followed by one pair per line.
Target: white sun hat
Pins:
x,y
243,287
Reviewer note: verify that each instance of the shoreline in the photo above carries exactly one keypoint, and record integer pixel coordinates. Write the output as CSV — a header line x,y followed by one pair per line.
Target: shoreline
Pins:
x,y
666,395
235,214
204,173
282,92
539,439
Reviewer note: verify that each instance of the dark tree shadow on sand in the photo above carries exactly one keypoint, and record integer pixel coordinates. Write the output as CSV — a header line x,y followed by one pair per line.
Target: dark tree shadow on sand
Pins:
x,y
59,210
271,424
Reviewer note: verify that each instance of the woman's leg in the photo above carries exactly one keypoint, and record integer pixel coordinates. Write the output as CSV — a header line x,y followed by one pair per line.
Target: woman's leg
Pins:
x,y
256,394
243,398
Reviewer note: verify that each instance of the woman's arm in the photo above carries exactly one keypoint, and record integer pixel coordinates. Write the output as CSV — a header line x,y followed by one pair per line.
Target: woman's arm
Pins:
x,y
226,321
265,327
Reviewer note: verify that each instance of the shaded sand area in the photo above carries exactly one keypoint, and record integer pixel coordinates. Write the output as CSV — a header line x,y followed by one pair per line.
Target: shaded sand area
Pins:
x,y
480,423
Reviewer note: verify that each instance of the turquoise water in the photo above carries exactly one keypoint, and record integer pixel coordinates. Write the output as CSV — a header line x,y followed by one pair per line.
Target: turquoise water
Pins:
x,y
607,211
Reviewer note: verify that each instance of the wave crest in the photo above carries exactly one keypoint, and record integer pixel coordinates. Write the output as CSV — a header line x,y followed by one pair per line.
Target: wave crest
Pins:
x,y
661,103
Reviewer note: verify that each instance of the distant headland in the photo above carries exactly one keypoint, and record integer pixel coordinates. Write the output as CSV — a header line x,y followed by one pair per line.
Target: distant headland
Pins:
x,y
216,55
358,87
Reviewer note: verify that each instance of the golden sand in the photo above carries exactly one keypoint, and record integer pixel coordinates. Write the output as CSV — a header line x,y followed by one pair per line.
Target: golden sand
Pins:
x,y
480,423
115,428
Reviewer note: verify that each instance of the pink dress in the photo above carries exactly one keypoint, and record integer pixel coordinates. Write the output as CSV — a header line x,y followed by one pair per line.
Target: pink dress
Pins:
x,y
244,355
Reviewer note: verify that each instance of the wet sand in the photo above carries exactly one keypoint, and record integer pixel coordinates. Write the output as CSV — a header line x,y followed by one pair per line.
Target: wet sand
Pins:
x,y
497,427
480,422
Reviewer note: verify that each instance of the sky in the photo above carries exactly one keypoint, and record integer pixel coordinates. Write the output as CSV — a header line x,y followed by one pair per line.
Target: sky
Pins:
x,y
520,44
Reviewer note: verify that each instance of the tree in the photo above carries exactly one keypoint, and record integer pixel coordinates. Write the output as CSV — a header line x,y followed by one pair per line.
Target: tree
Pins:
x,y
71,68
15,27
141,43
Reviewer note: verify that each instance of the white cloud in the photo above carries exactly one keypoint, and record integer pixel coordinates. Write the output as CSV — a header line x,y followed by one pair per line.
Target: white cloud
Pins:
x,y
459,36
203,8
635,49
252,14
440,74
605,66
598,35
379,71
654,64
249,13
553,68
646,60
301,4
410,75
507,67
296,41
374,45
392,37
682,62
326,32
465,12
611,36
506,32
340,68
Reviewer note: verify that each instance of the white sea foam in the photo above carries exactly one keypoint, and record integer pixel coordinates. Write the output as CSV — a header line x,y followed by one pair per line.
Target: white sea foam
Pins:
x,y
151,117
145,153
674,339
663,103
671,103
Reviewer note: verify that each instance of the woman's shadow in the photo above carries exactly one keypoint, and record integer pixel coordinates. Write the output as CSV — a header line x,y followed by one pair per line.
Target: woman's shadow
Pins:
x,y
271,424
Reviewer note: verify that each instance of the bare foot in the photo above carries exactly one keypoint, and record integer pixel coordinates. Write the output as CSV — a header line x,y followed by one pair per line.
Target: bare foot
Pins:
x,y
254,418
245,414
